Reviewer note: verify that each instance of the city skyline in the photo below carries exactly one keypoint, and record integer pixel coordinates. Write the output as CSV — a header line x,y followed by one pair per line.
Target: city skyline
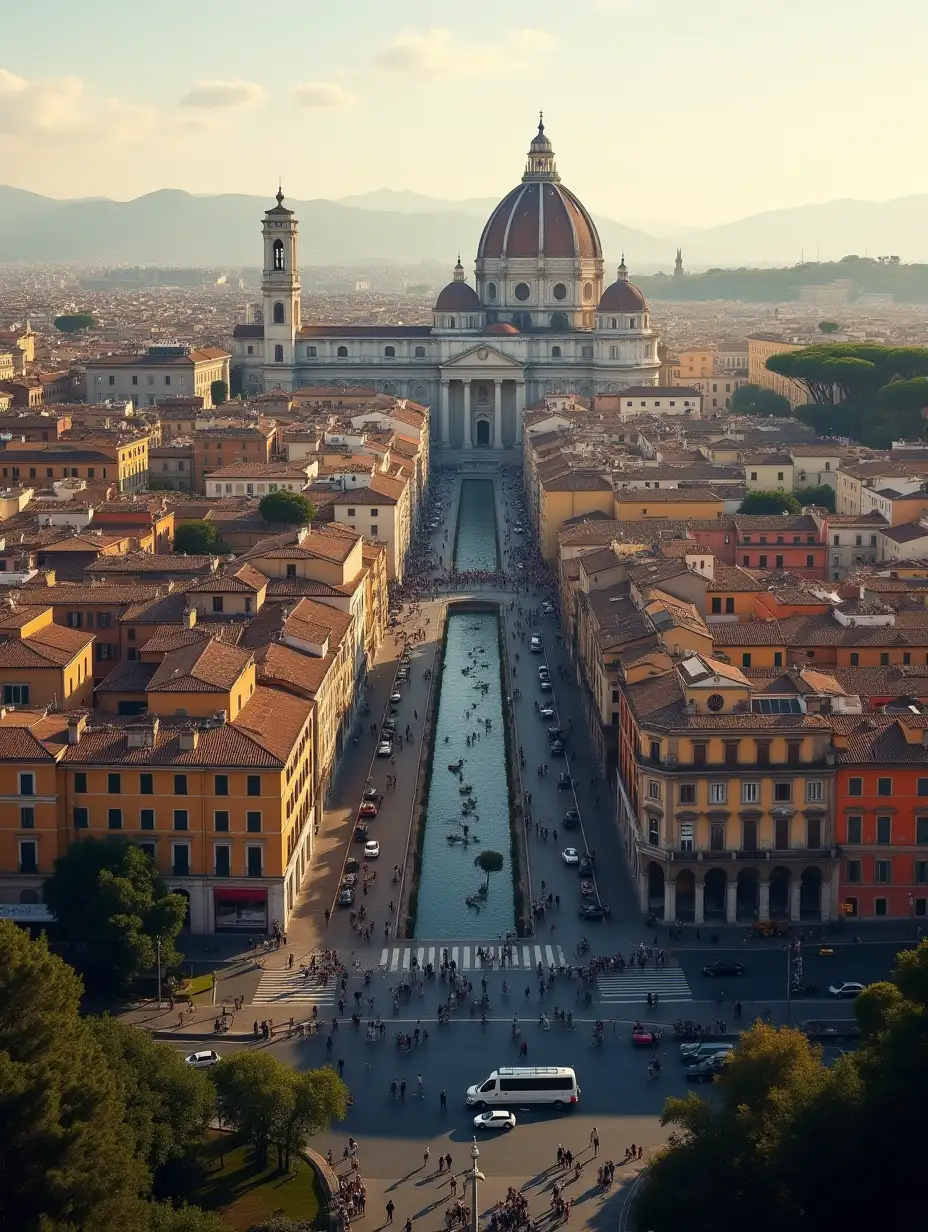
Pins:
x,y
398,99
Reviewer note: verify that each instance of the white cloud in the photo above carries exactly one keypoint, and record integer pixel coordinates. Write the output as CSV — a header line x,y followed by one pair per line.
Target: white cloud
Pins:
x,y
439,55
59,110
323,94
211,94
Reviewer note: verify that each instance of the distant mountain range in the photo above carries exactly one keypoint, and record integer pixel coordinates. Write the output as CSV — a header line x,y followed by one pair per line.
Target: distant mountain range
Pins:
x,y
170,227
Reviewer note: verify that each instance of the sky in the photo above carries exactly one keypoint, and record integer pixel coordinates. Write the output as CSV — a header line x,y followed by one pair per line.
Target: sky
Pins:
x,y
696,111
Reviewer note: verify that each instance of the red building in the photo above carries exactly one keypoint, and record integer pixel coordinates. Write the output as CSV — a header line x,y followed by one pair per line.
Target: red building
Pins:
x,y
795,544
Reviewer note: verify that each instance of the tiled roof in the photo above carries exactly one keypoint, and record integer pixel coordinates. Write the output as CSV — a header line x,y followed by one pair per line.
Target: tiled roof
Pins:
x,y
747,633
128,678
879,740
205,667
149,562
53,646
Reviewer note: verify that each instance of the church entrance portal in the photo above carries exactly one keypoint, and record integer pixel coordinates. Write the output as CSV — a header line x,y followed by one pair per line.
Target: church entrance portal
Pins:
x,y
483,432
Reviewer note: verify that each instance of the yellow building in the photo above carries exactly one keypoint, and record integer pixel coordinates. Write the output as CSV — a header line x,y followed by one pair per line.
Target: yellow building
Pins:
x,y
568,496
692,364
760,348
43,664
633,504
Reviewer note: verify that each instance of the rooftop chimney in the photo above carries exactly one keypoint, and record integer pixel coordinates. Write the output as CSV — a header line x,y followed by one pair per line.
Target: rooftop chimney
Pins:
x,y
77,725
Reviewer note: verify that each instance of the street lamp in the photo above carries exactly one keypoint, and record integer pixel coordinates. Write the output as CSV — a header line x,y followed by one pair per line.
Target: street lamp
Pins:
x,y
158,952
475,1176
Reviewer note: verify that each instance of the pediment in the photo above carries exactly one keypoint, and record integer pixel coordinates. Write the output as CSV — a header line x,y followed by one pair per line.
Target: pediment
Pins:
x,y
486,358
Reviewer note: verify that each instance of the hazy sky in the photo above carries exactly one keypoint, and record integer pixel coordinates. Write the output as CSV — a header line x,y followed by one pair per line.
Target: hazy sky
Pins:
x,y
699,111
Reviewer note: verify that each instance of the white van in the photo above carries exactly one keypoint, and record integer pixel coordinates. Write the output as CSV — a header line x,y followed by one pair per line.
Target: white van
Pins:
x,y
536,646
518,1085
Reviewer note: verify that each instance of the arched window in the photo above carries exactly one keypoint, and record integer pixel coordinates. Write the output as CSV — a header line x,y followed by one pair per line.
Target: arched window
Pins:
x,y
631,322
389,352
451,322
559,320
588,290
420,352
342,352
278,313
278,354
614,324
491,291
556,352
278,254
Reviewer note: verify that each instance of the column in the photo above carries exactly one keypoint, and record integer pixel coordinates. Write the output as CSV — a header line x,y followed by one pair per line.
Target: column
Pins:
x,y
826,900
497,414
731,902
700,917
794,890
520,404
643,903
467,441
763,902
670,901
445,415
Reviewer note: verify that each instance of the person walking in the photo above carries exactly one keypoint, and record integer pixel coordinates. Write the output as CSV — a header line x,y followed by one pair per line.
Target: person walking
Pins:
x,y
403,1091
407,1227
390,1209
443,1101
425,1157
393,1089
420,1086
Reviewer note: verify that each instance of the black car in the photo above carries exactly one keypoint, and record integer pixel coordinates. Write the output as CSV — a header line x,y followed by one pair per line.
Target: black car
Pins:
x,y
557,747
361,834
723,966
585,866
556,733
591,911
564,781
352,865
705,1071
370,793
571,819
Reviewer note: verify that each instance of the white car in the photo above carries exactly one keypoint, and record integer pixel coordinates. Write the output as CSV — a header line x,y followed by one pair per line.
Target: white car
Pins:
x,y
845,990
545,686
570,856
385,749
203,1060
497,1118
546,712
371,849
396,697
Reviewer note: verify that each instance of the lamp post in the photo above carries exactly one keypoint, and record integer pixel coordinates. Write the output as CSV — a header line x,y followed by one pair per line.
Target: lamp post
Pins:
x,y
475,1176
158,952
912,914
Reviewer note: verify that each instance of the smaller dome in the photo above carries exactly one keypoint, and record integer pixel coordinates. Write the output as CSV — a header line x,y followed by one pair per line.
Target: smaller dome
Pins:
x,y
458,295
622,295
501,327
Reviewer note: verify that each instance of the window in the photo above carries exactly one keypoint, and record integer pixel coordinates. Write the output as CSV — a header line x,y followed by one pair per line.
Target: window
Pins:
x,y
253,823
718,793
310,352
777,658
793,751
221,821
810,562
921,829
180,784
700,754
687,793
420,352
221,785
686,836
147,819
884,829
254,785
27,817
850,906
278,353
879,906
555,352
729,606
717,605
779,560
114,784
906,658
342,352
814,832
782,792
16,694
27,784
146,785
104,620
223,860
763,752
181,859
815,791
278,254
762,561
746,659
749,836
855,787
181,819
654,789
884,659
80,781
854,830
853,871
717,835
884,787
586,352
114,818
389,352
28,856
731,752
74,620
781,834
921,871
217,603
855,659
654,831
655,744
750,793
882,872
253,861
81,819
278,313
754,476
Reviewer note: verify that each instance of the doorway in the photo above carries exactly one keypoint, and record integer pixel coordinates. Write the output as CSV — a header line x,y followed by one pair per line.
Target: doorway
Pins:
x,y
483,432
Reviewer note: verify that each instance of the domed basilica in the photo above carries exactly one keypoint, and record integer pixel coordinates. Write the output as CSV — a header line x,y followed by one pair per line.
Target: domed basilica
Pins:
x,y
537,321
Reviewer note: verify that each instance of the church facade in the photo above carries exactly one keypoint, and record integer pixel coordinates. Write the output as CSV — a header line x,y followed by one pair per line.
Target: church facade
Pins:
x,y
539,320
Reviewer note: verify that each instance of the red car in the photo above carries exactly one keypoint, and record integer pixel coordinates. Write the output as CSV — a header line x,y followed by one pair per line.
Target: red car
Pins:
x,y
368,809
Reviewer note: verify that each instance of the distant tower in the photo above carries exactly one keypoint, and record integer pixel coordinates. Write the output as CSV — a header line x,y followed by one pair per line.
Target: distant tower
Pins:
x,y
280,283
678,264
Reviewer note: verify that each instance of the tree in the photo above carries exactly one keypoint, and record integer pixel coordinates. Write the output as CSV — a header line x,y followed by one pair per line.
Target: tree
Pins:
x,y
72,322
756,400
770,502
489,862
280,1223
198,539
317,1097
65,1159
219,392
289,507
111,905
822,494
828,327
168,1103
162,1217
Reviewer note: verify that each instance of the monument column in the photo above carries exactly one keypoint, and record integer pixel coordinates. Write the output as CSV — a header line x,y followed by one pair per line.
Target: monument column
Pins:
x,y
444,415
467,441
497,414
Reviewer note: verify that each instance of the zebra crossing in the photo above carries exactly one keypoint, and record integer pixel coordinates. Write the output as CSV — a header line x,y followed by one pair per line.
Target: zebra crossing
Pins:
x,y
283,985
631,986
514,956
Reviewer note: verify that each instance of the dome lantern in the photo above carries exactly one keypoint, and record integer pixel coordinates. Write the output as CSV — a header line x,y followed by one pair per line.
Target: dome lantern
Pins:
x,y
540,163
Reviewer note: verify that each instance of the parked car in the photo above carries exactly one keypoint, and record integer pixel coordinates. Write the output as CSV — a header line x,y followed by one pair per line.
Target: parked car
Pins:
x,y
346,896
495,1118
570,856
535,645
723,966
369,809
564,781
846,990
203,1059
705,1071
396,697
571,819
585,866
545,685
385,749
591,911
371,850
546,712
557,747
360,834
352,865
556,733
692,1053
370,793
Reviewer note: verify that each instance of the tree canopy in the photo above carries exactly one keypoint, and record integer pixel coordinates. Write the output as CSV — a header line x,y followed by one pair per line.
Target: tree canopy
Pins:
x,y
111,905
828,327
289,507
72,322
792,1143
756,400
821,494
219,392
489,862
198,539
770,502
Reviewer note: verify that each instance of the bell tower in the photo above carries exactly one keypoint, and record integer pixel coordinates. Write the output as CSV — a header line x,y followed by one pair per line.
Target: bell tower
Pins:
x,y
280,287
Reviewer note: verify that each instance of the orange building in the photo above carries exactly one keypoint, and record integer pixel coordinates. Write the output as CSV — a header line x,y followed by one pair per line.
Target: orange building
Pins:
x,y
42,664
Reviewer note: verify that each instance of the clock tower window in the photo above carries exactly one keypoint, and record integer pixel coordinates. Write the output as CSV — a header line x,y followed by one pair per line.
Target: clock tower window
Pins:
x,y
278,254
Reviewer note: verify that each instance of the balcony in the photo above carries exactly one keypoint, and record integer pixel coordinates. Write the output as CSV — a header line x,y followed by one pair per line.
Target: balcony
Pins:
x,y
764,855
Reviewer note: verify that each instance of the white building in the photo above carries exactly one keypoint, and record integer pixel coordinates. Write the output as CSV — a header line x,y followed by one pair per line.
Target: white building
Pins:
x,y
540,321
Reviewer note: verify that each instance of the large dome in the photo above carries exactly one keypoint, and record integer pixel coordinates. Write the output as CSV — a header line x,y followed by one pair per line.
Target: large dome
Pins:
x,y
458,295
622,295
540,217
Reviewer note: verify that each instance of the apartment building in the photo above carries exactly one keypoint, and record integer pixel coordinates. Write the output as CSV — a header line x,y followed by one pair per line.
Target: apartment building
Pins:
x,y
160,372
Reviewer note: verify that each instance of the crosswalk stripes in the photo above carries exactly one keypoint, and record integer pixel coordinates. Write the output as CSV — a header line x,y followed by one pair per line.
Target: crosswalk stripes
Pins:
x,y
399,958
631,986
283,985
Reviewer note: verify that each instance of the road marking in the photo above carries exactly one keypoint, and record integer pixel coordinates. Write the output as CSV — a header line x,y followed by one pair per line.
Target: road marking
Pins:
x,y
631,986
287,986
465,957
